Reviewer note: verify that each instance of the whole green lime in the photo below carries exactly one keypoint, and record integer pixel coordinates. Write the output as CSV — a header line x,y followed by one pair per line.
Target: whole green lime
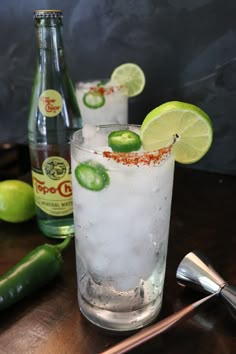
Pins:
x,y
16,201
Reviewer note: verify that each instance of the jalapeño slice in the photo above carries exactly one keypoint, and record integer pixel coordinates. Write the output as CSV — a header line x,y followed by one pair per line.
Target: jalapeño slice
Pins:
x,y
124,141
93,99
102,83
92,175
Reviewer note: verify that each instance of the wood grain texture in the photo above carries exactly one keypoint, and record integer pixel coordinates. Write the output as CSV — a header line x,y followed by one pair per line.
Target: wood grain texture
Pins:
x,y
49,322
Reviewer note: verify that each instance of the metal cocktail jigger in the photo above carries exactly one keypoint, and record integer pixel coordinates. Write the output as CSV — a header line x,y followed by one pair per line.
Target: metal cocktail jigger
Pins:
x,y
196,271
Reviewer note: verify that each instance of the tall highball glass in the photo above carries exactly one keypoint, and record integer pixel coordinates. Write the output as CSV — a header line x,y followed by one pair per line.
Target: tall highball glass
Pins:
x,y
122,204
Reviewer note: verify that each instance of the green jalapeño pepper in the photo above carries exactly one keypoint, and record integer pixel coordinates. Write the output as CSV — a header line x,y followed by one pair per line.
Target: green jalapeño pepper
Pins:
x,y
31,273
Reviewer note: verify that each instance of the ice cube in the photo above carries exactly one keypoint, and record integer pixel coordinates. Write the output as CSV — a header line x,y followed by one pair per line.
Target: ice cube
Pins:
x,y
89,131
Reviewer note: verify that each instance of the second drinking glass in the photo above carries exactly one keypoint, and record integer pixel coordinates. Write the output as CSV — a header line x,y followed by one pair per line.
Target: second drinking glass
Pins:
x,y
102,102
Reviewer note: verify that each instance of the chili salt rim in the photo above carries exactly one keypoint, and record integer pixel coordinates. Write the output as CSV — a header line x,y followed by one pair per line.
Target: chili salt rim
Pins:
x,y
134,158
105,90
102,89
139,158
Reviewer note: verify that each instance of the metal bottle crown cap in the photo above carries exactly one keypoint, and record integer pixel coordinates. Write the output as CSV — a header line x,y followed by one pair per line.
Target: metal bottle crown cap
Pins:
x,y
48,14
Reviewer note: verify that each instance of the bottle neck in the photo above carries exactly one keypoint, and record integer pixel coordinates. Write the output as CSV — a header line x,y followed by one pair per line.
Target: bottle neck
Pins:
x,y
50,47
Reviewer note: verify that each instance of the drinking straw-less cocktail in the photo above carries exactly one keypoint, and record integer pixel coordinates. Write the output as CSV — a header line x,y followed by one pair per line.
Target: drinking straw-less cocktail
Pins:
x,y
122,210
106,101
102,102
122,190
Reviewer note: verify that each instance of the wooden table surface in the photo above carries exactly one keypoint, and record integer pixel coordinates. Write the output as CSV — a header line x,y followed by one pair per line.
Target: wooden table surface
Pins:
x,y
48,322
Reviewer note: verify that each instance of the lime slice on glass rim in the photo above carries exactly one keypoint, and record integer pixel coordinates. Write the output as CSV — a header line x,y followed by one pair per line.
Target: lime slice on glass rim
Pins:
x,y
124,141
93,99
131,77
92,175
187,124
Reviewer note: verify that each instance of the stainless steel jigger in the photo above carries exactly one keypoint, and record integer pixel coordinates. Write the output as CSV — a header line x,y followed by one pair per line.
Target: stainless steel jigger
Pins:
x,y
196,271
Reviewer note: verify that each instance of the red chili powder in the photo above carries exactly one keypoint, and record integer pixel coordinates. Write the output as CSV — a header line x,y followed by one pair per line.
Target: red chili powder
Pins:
x,y
145,158
99,89
104,90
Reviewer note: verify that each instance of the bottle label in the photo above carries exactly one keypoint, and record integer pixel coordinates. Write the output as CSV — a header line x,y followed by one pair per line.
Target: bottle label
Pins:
x,y
53,188
50,103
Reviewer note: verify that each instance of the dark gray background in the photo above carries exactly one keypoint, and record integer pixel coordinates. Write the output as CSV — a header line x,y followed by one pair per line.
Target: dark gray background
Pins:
x,y
187,49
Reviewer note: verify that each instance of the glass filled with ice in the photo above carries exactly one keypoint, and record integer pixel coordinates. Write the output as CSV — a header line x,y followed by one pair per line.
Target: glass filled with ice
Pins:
x,y
102,102
122,201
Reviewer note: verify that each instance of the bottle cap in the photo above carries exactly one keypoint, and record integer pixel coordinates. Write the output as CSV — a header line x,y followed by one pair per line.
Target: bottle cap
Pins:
x,y
48,14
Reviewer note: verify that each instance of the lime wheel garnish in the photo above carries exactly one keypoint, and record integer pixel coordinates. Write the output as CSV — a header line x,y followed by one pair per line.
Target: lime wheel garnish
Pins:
x,y
187,124
130,77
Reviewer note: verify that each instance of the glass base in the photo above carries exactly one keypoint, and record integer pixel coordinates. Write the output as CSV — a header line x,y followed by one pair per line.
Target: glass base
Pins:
x,y
57,228
120,321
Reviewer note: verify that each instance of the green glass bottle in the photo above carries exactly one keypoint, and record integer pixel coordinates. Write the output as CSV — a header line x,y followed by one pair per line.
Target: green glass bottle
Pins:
x,y
53,117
